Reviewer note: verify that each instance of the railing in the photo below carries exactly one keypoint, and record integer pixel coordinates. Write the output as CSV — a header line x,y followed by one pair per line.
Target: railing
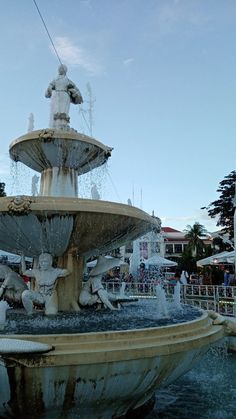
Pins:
x,y
207,297
211,297
135,289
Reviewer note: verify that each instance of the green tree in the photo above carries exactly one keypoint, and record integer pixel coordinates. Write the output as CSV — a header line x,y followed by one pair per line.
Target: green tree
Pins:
x,y
187,262
223,208
2,189
195,234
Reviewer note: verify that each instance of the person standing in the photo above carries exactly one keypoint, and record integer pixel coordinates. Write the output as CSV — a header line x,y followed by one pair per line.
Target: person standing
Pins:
x,y
226,278
184,277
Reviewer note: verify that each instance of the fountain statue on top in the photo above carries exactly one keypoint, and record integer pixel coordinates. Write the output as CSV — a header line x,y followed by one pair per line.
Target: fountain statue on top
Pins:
x,y
62,92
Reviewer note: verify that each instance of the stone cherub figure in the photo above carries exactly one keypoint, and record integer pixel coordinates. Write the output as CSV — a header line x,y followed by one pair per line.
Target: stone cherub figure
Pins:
x,y
62,92
12,286
93,291
45,285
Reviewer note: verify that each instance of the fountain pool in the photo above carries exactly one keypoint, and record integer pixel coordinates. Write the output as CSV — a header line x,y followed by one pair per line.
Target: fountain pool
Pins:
x,y
206,392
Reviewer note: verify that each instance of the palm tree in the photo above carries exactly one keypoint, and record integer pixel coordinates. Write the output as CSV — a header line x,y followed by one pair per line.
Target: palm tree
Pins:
x,y
194,235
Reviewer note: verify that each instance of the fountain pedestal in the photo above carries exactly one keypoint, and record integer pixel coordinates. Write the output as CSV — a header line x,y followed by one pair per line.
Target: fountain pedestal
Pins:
x,y
68,289
103,374
59,181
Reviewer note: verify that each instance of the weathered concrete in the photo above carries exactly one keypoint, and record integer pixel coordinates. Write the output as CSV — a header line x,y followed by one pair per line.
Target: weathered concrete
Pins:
x,y
47,148
98,226
101,375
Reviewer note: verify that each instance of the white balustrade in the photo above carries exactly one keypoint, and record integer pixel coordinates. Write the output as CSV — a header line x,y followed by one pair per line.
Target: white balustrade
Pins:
x,y
207,297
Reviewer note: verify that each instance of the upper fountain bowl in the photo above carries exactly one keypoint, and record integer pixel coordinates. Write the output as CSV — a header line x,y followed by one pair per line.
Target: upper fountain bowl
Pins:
x,y
47,148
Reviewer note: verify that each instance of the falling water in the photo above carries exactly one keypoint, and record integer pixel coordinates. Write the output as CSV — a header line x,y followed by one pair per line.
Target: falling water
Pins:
x,y
98,177
206,392
21,179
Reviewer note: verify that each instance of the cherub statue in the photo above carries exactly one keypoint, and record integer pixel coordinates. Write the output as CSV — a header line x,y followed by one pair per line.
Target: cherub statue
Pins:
x,y
62,92
12,286
45,283
93,291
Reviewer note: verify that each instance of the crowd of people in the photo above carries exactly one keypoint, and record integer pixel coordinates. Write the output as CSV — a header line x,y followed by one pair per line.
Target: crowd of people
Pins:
x,y
16,281
210,276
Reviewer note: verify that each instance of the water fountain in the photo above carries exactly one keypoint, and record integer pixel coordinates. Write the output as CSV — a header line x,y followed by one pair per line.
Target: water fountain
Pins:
x,y
176,296
86,374
161,301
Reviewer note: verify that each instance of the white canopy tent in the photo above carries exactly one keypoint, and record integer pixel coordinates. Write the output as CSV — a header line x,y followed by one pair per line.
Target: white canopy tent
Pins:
x,y
11,257
227,258
223,257
159,261
93,263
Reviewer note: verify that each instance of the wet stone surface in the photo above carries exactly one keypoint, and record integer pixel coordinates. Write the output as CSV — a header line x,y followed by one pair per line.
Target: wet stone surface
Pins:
x,y
138,315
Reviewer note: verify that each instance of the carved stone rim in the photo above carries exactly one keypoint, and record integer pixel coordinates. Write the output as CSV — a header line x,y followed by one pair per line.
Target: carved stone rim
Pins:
x,y
60,134
60,205
128,344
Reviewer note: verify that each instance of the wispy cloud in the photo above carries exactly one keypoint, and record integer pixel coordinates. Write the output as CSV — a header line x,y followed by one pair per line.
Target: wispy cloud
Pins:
x,y
76,56
128,61
181,222
87,3
171,14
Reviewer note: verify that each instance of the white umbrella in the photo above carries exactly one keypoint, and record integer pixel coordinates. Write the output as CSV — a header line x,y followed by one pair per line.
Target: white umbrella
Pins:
x,y
158,260
227,258
93,263
12,258
215,259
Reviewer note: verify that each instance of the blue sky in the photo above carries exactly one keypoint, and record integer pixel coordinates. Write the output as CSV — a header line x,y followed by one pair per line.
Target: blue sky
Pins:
x,y
163,75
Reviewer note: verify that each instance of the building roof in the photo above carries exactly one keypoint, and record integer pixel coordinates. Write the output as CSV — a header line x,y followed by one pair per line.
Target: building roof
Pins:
x,y
170,230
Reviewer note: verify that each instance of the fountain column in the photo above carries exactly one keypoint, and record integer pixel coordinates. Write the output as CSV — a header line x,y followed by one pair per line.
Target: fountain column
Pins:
x,y
59,181
68,289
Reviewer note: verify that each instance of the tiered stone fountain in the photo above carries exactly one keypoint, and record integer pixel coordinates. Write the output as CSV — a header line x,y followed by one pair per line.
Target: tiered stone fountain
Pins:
x,y
87,375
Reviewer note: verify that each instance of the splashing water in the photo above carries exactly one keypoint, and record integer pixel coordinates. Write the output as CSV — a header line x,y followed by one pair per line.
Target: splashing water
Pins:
x,y
206,392
3,308
162,310
135,315
176,297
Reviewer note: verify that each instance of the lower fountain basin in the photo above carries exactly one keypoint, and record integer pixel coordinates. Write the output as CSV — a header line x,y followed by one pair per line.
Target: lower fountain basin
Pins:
x,y
100,374
51,224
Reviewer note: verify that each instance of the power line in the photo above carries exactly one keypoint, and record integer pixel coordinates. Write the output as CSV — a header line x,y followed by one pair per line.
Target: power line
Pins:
x,y
45,26
114,186
50,38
